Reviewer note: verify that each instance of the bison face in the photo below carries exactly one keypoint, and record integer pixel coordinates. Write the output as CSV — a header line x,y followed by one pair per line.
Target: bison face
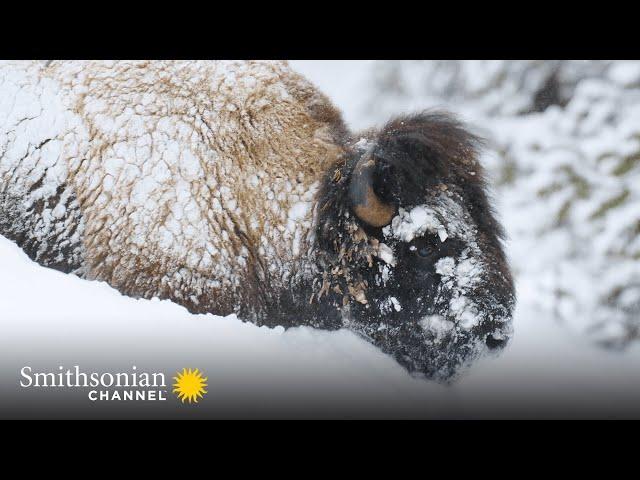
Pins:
x,y
437,291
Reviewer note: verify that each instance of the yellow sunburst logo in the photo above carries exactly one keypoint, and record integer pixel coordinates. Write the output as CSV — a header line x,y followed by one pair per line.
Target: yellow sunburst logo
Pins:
x,y
190,385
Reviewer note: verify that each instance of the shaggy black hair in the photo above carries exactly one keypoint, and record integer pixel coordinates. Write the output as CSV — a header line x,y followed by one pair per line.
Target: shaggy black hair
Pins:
x,y
421,151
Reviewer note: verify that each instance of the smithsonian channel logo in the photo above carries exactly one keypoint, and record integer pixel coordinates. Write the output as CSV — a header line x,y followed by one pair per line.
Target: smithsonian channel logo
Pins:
x,y
189,384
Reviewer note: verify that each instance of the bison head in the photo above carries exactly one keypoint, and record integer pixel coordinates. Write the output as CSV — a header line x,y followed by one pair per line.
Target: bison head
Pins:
x,y
413,253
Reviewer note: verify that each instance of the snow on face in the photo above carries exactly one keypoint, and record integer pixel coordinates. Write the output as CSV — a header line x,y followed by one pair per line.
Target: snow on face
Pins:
x,y
385,253
445,218
437,325
442,302
460,276
408,225
390,304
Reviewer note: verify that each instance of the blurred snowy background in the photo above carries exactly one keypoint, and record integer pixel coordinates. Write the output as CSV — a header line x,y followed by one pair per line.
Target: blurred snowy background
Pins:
x,y
563,155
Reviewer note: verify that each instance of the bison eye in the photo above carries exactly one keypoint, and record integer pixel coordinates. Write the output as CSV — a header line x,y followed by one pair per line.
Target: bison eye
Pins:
x,y
421,250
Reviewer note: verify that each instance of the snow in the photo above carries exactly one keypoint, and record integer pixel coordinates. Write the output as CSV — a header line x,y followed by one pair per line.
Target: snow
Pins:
x,y
408,225
625,73
396,304
445,266
552,366
50,319
437,325
385,253
75,322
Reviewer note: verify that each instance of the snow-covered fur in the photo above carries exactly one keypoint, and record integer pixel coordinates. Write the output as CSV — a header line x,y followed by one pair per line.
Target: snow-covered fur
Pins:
x,y
223,187
188,181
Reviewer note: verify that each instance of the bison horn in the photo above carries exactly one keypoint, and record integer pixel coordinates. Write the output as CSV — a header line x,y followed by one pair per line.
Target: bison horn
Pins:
x,y
365,203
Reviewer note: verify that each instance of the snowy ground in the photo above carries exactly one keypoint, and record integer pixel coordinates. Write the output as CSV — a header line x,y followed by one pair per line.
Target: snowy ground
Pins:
x,y
49,319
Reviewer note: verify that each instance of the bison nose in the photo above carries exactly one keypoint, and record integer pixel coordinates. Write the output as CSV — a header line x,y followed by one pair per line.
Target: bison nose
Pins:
x,y
494,343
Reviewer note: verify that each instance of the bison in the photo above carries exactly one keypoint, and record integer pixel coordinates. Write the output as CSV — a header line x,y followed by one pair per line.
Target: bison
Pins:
x,y
235,187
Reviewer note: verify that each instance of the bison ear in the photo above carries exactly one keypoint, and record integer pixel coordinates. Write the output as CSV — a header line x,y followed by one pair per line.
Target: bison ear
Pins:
x,y
365,203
